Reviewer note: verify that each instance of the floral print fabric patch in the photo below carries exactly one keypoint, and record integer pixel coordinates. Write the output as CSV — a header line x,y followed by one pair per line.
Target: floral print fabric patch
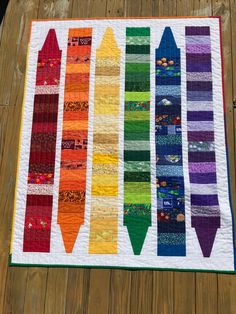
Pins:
x,y
123,156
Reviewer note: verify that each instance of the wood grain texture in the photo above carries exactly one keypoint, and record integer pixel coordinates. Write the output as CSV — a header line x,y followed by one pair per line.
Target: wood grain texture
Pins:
x,y
17,18
120,291
206,291
8,159
163,288
227,9
77,291
35,290
99,291
55,301
184,293
42,290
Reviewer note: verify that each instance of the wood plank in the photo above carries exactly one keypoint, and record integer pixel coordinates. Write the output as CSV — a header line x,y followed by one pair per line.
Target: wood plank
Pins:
x,y
99,286
97,8
17,278
184,8
15,290
227,283
115,8
184,293
17,18
55,9
77,291
206,302
120,291
141,8
3,276
1,31
141,291
5,113
165,8
55,301
226,294
202,8
232,7
35,290
80,9
163,289
9,127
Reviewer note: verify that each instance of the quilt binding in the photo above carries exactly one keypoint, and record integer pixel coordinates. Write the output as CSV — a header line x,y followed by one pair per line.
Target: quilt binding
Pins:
x,y
10,263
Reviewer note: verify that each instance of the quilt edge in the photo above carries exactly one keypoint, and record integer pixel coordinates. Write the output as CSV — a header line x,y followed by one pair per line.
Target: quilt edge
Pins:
x,y
11,264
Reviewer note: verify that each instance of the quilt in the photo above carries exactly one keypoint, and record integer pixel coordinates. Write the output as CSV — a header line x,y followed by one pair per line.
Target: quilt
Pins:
x,y
123,156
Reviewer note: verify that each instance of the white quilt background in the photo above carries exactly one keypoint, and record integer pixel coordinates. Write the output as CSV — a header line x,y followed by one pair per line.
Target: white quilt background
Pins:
x,y
222,256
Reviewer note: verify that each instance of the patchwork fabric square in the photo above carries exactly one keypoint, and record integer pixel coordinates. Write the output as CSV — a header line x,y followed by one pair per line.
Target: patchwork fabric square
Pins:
x,y
123,155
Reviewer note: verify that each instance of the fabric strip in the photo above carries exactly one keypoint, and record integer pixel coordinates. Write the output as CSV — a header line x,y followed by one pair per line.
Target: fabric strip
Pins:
x,y
169,164
37,228
72,186
137,181
104,195
205,211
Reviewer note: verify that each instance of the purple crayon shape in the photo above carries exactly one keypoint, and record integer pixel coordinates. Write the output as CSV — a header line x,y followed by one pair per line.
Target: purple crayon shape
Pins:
x,y
205,210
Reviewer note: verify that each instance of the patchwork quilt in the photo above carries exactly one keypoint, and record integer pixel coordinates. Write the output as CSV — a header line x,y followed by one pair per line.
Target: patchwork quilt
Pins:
x,y
123,156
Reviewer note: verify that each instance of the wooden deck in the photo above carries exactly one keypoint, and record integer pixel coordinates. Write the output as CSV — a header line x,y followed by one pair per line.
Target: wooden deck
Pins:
x,y
51,290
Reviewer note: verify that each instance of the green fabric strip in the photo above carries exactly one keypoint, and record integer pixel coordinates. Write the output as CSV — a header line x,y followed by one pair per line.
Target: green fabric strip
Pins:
x,y
137,68
137,96
137,188
136,155
137,40
137,31
137,115
137,58
137,126
137,106
137,136
137,87
141,166
137,197
137,176
138,49
137,209
137,145
137,77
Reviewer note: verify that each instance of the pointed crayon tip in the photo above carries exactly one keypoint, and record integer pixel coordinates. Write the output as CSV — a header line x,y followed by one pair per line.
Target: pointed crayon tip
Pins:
x,y
168,37
137,235
51,43
69,235
206,239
